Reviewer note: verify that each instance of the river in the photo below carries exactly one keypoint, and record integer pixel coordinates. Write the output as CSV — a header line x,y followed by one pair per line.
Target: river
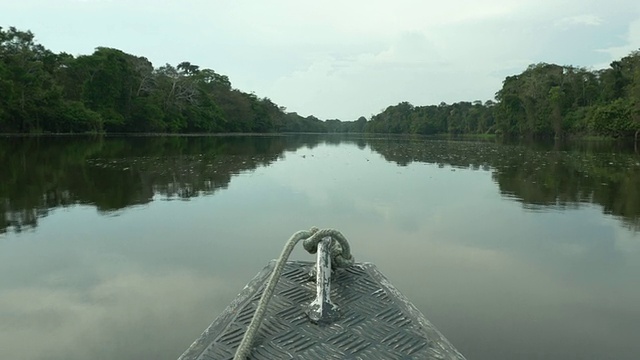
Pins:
x,y
128,247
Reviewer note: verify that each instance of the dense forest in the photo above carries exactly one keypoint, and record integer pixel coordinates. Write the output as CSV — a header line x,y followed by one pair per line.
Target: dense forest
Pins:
x,y
546,100
111,91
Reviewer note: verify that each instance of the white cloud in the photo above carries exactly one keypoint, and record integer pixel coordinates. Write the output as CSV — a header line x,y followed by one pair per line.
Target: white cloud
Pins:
x,y
632,42
344,21
589,20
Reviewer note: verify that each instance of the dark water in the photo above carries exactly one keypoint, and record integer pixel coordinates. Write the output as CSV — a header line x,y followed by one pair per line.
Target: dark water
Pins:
x,y
127,248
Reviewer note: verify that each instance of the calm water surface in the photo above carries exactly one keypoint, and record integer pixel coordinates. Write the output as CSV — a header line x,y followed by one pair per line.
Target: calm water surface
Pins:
x,y
127,248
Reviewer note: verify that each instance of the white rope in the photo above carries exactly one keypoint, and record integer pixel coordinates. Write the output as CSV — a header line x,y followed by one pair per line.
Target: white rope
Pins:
x,y
340,257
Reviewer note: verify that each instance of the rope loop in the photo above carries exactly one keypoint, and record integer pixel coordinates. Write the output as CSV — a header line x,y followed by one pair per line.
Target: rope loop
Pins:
x,y
340,257
340,249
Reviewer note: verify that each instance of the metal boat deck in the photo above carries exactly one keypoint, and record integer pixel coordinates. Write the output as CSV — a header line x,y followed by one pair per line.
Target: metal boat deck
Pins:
x,y
375,321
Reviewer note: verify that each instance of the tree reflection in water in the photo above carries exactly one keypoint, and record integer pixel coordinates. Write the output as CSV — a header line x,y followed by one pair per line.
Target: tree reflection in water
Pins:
x,y
111,173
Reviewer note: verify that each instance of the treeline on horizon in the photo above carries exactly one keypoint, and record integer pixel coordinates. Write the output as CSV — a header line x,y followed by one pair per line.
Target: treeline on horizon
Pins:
x,y
544,101
111,91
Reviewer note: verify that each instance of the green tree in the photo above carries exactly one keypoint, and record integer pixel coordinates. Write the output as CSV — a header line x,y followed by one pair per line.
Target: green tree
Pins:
x,y
28,89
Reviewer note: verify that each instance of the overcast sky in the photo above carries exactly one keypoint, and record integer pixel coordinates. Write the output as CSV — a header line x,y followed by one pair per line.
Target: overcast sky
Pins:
x,y
349,58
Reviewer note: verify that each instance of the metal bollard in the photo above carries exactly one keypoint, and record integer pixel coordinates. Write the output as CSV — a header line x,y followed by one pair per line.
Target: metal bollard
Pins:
x,y
322,310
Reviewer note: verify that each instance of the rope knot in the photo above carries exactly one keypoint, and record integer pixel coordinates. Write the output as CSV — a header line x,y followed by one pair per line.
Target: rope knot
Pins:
x,y
340,250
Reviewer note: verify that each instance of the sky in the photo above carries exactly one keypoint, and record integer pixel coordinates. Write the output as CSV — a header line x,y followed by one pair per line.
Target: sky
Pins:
x,y
344,59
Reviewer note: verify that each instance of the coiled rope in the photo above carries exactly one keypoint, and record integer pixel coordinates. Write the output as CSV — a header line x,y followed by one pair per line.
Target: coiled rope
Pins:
x,y
340,257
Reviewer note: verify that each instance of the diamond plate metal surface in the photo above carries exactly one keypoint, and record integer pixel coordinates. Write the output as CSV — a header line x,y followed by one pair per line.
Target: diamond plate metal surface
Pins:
x,y
375,322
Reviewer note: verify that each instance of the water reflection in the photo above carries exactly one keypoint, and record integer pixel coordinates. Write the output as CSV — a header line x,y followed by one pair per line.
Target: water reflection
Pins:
x,y
43,173
540,178
508,261
113,173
